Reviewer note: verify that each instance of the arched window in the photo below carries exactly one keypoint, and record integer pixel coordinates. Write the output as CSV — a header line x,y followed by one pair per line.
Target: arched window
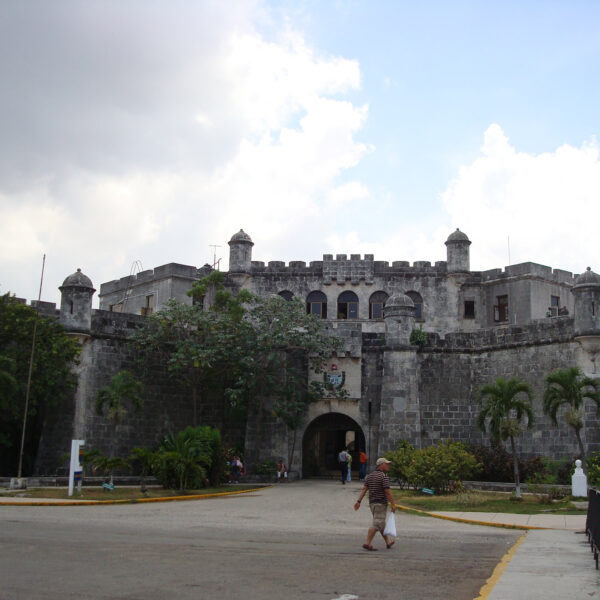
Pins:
x,y
418,302
376,304
347,306
286,295
316,304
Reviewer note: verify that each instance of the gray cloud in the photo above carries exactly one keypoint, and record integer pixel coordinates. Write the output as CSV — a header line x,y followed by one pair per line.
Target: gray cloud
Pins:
x,y
113,87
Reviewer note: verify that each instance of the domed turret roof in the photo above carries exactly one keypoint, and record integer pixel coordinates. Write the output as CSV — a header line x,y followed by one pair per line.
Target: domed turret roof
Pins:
x,y
588,277
78,279
457,236
240,236
399,300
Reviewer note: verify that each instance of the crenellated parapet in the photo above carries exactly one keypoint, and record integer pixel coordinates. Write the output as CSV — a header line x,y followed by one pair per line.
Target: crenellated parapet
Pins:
x,y
353,269
529,269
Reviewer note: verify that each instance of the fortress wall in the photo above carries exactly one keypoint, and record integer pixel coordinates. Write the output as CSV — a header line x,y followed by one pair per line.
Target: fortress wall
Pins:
x,y
449,380
167,407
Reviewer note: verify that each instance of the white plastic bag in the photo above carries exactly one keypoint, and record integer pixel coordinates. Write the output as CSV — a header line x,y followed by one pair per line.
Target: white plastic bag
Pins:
x,y
390,526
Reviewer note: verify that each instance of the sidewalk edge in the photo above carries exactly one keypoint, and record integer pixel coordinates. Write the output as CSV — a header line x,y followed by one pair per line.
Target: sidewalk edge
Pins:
x,y
490,583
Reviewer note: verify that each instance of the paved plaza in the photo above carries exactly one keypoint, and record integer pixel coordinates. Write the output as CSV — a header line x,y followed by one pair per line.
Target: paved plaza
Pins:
x,y
292,541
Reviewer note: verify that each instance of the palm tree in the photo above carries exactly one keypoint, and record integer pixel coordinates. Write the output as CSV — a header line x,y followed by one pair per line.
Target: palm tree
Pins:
x,y
113,401
570,387
502,410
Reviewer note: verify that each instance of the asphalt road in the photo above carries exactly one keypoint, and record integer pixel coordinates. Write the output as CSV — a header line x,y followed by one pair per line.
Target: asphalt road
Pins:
x,y
290,542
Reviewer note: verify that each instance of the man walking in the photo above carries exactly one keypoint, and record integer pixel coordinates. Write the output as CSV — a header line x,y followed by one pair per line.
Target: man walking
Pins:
x,y
343,461
377,483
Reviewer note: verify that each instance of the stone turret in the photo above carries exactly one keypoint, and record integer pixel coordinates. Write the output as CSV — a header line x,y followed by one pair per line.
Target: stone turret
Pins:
x,y
240,252
587,303
399,410
76,303
586,326
457,252
399,317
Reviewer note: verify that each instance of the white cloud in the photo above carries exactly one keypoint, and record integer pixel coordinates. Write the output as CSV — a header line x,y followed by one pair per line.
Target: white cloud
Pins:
x,y
171,138
545,204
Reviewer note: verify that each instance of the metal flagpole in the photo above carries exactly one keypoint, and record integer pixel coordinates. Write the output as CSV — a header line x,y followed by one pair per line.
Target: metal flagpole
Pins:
x,y
30,371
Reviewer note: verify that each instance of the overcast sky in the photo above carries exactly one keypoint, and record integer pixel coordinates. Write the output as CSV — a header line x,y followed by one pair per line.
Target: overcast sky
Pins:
x,y
148,131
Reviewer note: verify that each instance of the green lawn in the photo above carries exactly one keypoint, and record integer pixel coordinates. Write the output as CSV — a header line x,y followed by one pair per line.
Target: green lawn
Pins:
x,y
121,493
474,501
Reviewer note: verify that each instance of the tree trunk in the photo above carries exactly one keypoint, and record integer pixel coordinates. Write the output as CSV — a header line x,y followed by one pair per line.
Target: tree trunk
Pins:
x,y
195,405
259,417
581,449
515,467
291,456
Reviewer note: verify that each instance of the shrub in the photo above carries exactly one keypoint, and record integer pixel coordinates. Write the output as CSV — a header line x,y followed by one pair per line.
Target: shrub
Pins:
x,y
593,469
546,494
189,459
552,472
534,468
497,464
439,466
401,459
418,337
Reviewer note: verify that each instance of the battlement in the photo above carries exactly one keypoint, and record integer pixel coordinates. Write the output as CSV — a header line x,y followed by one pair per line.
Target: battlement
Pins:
x,y
353,269
530,269
46,309
162,272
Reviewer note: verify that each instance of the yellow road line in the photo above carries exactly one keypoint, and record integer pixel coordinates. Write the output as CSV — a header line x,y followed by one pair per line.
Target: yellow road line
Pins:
x,y
135,501
470,521
487,588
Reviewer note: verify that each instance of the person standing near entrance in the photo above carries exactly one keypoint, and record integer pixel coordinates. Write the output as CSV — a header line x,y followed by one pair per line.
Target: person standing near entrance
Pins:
x,y
363,465
282,471
377,483
343,461
349,464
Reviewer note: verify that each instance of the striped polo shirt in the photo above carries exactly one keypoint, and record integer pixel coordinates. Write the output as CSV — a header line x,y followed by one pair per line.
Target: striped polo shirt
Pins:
x,y
376,482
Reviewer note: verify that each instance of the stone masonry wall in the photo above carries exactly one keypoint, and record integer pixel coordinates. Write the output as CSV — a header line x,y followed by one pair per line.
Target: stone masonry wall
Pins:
x,y
167,407
451,371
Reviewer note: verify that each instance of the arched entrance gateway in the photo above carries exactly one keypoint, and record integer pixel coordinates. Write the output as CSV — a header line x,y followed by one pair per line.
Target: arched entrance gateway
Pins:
x,y
324,438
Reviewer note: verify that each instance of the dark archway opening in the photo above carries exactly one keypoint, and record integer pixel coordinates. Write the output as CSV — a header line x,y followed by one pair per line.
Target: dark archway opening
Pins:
x,y
323,440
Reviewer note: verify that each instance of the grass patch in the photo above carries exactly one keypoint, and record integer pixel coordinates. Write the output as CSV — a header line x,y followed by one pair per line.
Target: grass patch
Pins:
x,y
474,501
119,493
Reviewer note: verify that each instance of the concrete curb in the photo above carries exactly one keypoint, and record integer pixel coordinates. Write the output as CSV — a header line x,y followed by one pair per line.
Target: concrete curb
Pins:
x,y
134,501
470,521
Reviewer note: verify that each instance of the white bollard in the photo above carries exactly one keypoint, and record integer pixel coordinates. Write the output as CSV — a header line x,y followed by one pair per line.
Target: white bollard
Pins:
x,y
579,482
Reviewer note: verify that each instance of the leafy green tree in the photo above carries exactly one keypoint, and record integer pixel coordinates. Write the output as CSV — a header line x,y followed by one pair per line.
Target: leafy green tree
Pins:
x,y
247,349
203,348
115,399
52,379
504,405
569,388
287,344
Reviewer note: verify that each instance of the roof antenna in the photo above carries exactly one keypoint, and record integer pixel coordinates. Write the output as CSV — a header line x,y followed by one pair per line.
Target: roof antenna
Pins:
x,y
216,263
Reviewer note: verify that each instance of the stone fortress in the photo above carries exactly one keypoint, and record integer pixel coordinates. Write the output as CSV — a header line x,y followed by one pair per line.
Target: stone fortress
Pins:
x,y
523,321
